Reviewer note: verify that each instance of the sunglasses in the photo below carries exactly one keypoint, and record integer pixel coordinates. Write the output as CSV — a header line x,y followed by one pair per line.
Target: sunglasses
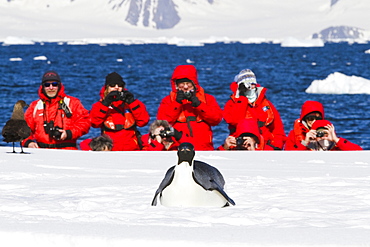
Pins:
x,y
311,118
54,84
114,84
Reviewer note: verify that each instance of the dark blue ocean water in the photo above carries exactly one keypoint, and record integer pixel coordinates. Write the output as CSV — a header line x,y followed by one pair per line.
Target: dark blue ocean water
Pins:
x,y
147,69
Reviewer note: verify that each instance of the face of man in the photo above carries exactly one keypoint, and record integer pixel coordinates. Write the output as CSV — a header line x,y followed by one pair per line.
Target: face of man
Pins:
x,y
51,88
186,86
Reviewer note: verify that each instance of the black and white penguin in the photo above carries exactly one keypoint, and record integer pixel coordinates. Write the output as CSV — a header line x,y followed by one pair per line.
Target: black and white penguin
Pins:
x,y
192,183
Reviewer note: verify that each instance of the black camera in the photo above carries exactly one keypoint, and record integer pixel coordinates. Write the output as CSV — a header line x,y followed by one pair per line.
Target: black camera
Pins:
x,y
52,130
240,141
188,94
121,96
167,132
320,133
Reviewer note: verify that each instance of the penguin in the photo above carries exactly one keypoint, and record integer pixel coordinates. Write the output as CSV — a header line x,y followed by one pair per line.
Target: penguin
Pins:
x,y
16,128
192,183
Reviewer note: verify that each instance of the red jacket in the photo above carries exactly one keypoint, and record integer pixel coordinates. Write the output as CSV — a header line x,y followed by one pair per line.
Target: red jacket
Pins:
x,y
154,145
46,110
119,122
262,110
249,126
300,130
194,122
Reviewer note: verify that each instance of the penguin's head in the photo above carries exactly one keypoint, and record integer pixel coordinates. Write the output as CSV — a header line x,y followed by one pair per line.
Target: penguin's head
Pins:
x,y
186,153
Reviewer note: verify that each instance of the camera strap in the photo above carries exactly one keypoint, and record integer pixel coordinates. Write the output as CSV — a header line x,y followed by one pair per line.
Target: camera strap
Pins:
x,y
65,108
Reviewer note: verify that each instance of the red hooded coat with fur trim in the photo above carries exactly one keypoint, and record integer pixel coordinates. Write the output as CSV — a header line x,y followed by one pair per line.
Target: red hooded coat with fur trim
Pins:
x,y
194,122
46,109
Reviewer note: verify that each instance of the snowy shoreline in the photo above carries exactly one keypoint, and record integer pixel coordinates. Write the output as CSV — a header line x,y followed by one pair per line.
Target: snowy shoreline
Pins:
x,y
80,198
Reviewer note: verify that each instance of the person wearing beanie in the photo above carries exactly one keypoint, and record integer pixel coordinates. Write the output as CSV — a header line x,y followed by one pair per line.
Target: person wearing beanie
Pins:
x,y
118,114
246,137
189,109
311,111
322,137
249,101
56,120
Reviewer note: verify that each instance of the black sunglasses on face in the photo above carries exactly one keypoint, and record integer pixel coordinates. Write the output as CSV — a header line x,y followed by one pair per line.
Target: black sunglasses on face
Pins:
x,y
311,118
54,84
114,84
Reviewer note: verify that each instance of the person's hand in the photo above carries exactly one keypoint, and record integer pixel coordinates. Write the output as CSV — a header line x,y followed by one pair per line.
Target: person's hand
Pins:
x,y
63,136
112,96
332,136
156,133
229,142
242,89
128,97
180,96
310,136
33,145
195,102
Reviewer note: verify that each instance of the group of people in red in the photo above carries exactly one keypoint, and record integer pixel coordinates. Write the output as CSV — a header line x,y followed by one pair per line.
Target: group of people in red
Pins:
x,y
187,114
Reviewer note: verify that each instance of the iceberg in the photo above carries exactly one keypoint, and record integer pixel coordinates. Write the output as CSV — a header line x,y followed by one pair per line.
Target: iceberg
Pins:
x,y
338,83
294,42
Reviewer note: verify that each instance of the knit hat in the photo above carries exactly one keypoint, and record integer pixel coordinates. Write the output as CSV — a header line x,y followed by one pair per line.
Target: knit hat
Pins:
x,y
50,75
114,77
246,75
318,124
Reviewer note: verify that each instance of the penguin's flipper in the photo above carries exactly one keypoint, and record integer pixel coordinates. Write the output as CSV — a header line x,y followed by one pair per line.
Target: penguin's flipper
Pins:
x,y
210,178
165,182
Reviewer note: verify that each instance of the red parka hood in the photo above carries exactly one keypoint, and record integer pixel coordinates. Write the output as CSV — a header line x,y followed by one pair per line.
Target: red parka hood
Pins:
x,y
60,95
320,124
248,126
312,106
185,71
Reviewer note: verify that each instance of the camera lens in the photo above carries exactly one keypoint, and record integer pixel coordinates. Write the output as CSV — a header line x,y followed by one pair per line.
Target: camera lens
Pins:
x,y
320,134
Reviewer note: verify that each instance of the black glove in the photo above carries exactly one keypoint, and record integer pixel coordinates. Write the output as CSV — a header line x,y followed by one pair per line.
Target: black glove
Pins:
x,y
195,102
112,96
242,89
180,96
128,97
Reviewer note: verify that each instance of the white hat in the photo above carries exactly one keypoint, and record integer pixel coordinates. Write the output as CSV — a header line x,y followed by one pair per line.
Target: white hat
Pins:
x,y
246,75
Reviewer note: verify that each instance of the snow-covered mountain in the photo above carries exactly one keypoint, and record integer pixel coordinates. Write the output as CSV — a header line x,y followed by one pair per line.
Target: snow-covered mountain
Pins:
x,y
184,20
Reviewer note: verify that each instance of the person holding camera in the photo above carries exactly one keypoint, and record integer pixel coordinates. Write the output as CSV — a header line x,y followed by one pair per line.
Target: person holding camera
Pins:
x,y
189,109
161,137
56,119
249,101
246,137
311,111
322,137
118,114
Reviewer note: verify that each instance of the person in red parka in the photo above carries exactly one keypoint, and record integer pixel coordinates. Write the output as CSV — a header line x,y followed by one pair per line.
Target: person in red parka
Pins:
x,y
322,137
56,119
118,114
246,137
161,137
249,101
310,112
189,109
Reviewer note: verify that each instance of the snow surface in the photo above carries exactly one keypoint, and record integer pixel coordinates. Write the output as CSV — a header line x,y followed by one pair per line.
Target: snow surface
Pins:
x,y
83,198
338,83
246,21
